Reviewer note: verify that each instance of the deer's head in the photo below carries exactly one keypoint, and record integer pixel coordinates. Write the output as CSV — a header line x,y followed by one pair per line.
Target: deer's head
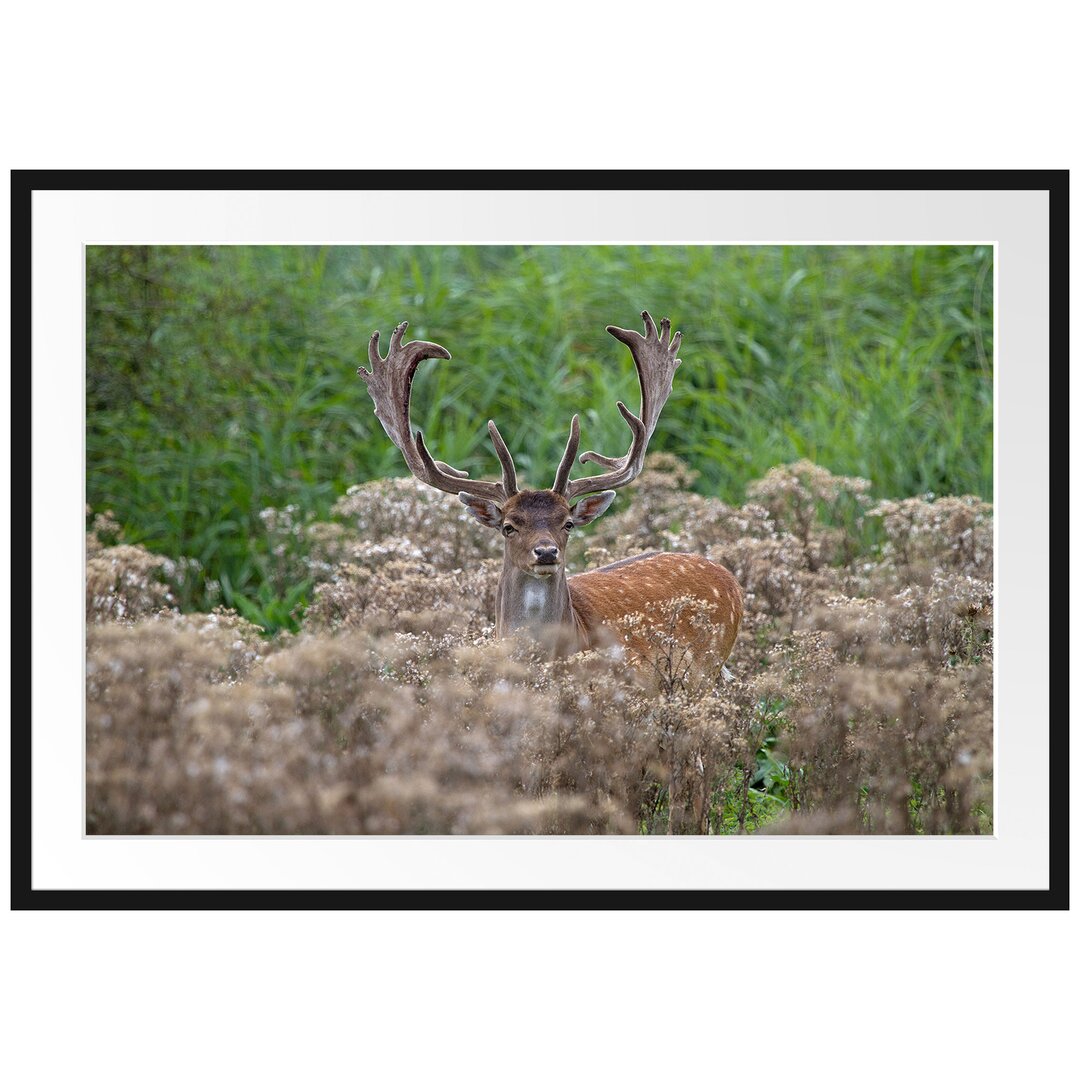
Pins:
x,y
535,523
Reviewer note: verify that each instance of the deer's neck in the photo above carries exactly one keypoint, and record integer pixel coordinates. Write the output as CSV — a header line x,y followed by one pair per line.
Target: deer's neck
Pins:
x,y
533,602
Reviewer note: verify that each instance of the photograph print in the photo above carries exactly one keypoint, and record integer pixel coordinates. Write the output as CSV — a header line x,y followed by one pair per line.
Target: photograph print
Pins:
x,y
539,539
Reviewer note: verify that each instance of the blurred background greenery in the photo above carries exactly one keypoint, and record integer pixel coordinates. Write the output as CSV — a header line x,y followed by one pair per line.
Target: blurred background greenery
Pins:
x,y
221,380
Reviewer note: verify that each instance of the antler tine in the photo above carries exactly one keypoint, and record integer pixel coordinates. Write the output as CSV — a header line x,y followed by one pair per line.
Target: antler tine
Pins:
x,y
389,382
562,473
509,473
655,358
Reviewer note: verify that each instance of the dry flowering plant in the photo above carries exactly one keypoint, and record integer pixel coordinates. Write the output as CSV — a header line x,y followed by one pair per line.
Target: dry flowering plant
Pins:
x,y
858,697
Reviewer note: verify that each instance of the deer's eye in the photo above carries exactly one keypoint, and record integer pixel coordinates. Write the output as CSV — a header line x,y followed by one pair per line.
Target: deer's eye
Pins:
x,y
508,530
568,526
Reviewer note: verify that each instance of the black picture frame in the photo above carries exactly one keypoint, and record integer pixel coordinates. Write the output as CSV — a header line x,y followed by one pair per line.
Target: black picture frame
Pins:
x,y
24,183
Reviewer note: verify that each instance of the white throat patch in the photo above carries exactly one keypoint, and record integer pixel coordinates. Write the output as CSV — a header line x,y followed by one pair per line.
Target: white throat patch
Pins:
x,y
533,598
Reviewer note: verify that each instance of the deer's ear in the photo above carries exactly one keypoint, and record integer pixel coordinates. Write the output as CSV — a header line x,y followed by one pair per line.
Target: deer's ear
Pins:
x,y
591,507
484,510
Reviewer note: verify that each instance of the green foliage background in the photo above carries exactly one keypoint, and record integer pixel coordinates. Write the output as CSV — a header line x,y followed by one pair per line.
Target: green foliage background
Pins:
x,y
221,380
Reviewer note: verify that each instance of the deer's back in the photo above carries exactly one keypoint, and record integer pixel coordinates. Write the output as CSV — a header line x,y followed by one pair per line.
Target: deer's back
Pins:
x,y
645,592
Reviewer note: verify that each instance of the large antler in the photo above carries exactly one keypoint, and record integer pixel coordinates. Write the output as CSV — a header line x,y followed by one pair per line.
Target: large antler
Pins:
x,y
655,359
389,383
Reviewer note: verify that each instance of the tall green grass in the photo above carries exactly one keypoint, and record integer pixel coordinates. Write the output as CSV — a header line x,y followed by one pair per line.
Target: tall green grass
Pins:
x,y
222,380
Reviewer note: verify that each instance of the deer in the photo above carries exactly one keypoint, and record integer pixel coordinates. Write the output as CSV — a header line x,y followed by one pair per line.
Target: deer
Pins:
x,y
587,610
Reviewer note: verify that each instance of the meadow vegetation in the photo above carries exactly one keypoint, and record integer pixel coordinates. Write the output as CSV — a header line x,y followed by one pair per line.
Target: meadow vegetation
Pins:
x,y
287,635
861,698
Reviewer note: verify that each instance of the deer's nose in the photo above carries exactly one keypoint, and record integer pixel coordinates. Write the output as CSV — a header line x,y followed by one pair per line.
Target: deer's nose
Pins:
x,y
546,554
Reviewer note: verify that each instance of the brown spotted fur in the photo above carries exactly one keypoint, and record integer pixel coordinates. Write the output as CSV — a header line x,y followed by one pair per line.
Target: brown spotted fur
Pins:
x,y
603,596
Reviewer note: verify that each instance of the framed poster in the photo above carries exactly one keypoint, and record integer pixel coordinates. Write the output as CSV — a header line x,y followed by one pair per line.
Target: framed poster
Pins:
x,y
291,680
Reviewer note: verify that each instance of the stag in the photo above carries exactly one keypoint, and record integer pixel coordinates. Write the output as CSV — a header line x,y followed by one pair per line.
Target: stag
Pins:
x,y
592,608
